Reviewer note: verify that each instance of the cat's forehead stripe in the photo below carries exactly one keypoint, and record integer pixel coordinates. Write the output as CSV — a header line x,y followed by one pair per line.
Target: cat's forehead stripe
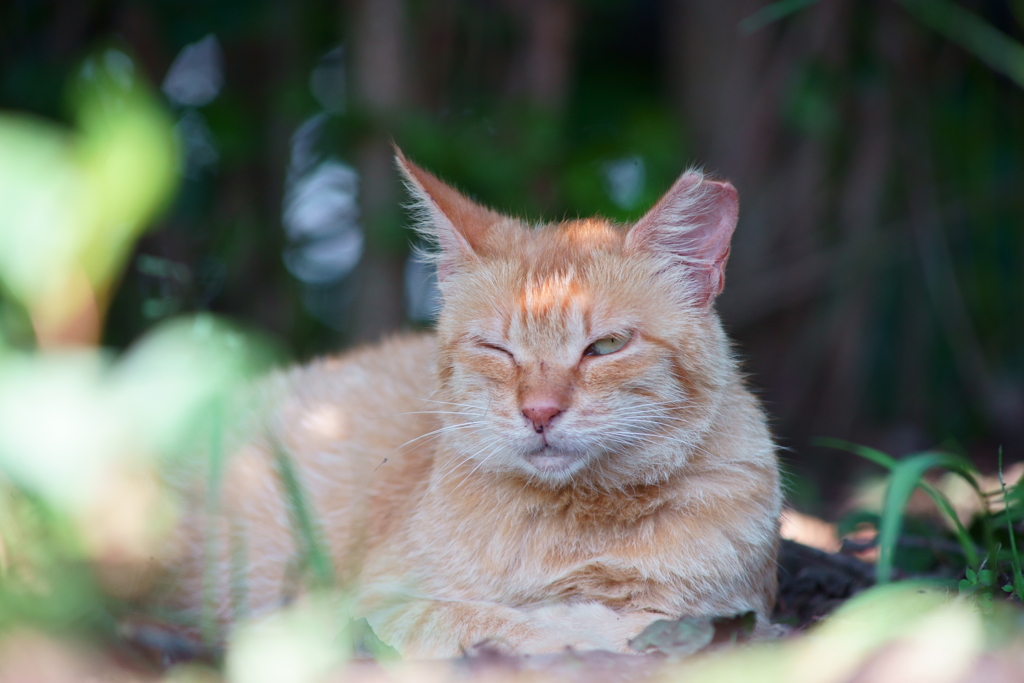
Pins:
x,y
542,294
591,233
555,335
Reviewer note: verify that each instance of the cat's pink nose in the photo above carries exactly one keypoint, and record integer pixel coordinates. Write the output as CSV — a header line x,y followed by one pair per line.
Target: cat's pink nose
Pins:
x,y
541,412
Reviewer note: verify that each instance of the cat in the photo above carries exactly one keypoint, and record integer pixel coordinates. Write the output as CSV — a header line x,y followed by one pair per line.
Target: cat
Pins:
x,y
571,456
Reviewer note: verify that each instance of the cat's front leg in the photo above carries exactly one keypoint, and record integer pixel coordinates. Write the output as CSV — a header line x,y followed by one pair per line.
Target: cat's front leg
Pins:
x,y
584,626
431,629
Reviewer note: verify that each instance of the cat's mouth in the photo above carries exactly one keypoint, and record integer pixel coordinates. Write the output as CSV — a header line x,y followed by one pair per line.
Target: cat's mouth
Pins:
x,y
552,460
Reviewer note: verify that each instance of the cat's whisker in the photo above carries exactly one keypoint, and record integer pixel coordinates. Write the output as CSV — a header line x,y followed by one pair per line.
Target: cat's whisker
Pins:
x,y
641,419
459,462
462,461
492,452
450,403
668,408
441,412
442,430
666,402
642,410
630,434
439,431
638,417
437,434
656,415
641,424
631,439
428,438
625,444
647,429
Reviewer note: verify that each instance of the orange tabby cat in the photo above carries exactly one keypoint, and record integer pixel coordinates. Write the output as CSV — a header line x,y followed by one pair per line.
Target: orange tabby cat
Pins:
x,y
571,456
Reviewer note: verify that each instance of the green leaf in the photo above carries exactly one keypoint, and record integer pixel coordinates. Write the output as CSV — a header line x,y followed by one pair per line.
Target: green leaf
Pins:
x,y
367,643
679,637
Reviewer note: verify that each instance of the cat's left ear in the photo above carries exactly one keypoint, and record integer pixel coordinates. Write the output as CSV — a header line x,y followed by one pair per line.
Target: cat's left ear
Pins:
x,y
453,221
693,223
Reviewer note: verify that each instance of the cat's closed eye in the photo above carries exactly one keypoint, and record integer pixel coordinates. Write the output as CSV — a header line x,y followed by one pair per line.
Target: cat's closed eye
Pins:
x,y
495,347
607,345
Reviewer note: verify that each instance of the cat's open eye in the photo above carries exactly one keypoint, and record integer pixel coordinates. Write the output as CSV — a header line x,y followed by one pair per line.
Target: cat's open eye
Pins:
x,y
606,345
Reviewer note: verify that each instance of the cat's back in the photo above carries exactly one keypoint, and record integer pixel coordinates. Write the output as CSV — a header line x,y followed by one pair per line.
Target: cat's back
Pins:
x,y
371,398
350,425
358,425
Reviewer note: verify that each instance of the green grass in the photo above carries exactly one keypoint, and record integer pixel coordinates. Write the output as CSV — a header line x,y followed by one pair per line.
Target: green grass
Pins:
x,y
314,561
985,560
1017,587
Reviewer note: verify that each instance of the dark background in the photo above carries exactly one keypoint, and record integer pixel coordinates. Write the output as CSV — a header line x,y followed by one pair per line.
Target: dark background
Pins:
x,y
875,290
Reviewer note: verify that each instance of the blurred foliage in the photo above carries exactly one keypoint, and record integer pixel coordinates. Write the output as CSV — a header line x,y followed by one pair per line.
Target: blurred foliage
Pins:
x,y
878,273
75,203
84,519
892,633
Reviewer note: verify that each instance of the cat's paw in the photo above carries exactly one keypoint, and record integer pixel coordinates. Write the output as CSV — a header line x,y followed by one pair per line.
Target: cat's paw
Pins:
x,y
584,626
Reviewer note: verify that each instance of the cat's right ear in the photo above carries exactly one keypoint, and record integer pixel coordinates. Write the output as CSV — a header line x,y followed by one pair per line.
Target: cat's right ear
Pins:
x,y
693,224
455,223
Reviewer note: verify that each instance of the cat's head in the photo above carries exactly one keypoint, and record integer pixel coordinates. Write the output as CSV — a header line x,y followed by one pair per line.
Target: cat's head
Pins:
x,y
581,350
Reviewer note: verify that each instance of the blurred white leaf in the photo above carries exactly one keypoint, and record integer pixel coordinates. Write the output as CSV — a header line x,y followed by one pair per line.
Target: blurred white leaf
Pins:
x,y
300,644
67,418
197,74
72,203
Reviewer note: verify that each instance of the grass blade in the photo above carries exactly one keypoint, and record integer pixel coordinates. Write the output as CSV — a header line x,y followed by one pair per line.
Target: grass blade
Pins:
x,y
772,13
208,625
306,530
973,34
905,478
1018,578
962,535
875,456
954,463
